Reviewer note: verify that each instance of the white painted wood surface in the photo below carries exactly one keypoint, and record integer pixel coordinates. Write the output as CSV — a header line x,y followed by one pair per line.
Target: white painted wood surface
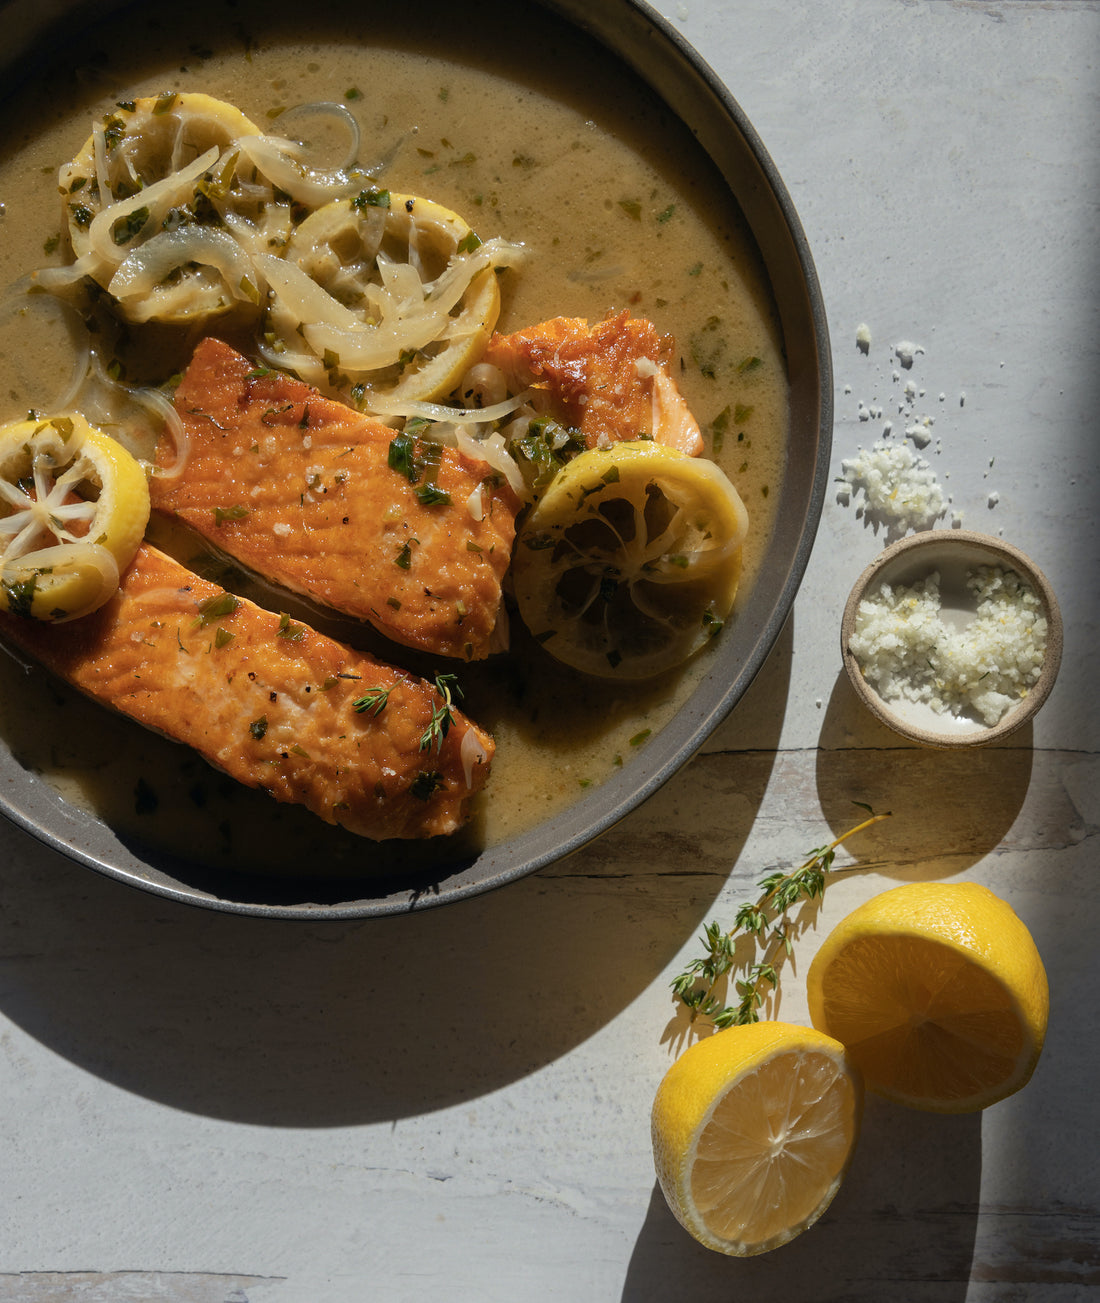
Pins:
x,y
455,1106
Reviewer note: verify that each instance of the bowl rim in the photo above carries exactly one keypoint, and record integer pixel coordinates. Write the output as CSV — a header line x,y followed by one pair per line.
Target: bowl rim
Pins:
x,y
646,43
963,541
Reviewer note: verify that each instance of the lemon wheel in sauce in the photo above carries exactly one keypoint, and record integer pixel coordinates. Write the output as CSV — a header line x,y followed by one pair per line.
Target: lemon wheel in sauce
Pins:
x,y
409,301
145,201
629,563
74,505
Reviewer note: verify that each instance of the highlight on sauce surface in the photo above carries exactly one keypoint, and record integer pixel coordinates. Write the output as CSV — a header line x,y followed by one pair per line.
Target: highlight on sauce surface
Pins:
x,y
347,423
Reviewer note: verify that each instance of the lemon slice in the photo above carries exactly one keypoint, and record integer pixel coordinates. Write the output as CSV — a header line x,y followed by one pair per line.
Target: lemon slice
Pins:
x,y
629,563
144,201
753,1130
939,993
74,505
409,301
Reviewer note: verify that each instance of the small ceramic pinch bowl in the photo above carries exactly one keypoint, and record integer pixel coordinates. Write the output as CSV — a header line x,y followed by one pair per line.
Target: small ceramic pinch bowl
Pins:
x,y
953,555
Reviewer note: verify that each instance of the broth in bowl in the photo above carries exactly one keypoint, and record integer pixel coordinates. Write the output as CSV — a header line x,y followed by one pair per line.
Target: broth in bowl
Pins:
x,y
615,207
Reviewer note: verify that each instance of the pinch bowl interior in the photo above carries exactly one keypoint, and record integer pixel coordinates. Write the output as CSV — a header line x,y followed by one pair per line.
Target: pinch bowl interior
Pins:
x,y
952,554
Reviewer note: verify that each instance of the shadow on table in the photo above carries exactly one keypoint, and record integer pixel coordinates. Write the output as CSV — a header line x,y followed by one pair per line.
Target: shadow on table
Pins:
x,y
902,1226
949,809
296,1023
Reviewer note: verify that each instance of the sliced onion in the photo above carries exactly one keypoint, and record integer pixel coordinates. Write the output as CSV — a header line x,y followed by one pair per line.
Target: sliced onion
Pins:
x,y
158,198
494,452
383,406
57,279
275,158
328,109
163,407
370,348
142,270
300,294
475,503
472,754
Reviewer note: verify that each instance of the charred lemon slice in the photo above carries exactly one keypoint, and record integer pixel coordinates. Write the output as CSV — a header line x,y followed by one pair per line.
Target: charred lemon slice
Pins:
x,y
74,505
629,563
392,295
146,198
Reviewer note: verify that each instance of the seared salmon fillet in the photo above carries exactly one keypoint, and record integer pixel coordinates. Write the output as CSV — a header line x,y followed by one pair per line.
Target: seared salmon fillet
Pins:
x,y
611,381
270,702
300,489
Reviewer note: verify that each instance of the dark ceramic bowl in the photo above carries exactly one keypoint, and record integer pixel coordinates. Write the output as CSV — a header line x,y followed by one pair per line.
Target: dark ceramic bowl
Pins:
x,y
638,37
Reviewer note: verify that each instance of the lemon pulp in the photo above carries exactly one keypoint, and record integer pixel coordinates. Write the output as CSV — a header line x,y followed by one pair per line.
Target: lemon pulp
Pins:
x,y
74,505
753,1130
629,563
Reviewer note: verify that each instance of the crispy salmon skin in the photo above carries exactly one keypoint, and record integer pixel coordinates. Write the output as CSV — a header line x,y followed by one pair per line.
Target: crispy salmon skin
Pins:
x,y
611,380
270,702
300,489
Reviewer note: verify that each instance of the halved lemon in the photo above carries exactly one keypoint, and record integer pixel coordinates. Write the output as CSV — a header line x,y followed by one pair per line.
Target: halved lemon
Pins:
x,y
393,264
74,505
629,562
939,993
753,1130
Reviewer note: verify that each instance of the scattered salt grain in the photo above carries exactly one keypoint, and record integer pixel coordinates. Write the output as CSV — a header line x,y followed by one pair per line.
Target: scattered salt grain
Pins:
x,y
863,337
906,351
920,432
907,652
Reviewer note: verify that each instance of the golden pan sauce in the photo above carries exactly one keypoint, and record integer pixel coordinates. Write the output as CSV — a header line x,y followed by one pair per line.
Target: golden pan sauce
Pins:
x,y
617,208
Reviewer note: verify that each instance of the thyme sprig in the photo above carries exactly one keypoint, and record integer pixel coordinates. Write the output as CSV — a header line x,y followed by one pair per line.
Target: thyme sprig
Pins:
x,y
766,922
442,713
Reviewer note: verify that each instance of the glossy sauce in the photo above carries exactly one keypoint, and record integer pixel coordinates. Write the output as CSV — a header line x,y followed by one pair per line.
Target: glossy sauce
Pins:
x,y
616,207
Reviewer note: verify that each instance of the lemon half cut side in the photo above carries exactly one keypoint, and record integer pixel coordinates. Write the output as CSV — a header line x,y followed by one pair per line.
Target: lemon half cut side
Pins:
x,y
74,505
753,1130
939,993
629,562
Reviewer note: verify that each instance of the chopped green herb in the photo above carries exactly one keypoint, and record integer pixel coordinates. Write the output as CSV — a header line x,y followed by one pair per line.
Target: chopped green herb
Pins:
x,y
291,632
215,608
222,514
258,728
425,785
429,495
125,228
223,637
372,198
20,594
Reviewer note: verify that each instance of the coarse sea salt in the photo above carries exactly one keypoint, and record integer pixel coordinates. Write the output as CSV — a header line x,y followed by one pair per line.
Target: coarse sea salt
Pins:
x,y
907,652
897,485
